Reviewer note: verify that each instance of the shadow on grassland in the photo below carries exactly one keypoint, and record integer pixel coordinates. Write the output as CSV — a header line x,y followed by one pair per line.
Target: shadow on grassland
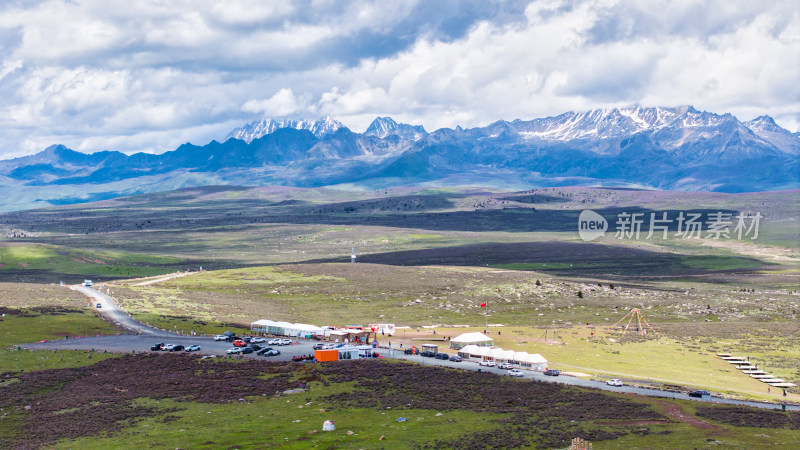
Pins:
x,y
565,258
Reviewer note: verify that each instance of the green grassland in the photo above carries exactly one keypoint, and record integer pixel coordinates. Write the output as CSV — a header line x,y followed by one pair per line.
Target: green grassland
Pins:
x,y
277,422
295,421
234,227
36,326
27,262
425,257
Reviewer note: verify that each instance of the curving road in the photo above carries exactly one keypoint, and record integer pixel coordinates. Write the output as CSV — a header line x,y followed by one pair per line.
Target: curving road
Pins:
x,y
108,309
145,337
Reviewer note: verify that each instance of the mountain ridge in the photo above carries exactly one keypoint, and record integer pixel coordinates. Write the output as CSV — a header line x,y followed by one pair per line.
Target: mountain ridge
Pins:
x,y
677,148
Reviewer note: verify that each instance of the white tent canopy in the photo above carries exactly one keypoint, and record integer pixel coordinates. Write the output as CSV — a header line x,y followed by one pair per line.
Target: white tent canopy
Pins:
x,y
522,359
285,328
465,339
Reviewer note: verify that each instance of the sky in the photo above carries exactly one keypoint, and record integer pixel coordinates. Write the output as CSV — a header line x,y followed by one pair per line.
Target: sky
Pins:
x,y
150,75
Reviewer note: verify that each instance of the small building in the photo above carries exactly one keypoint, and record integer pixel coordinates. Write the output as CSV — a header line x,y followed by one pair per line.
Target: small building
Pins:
x,y
336,335
430,348
337,354
478,339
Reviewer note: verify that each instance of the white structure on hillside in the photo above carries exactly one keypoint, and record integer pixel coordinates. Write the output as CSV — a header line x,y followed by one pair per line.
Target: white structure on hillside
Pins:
x,y
465,339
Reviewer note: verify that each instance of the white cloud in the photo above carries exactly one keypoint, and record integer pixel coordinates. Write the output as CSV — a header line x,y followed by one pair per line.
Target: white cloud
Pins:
x,y
282,103
150,75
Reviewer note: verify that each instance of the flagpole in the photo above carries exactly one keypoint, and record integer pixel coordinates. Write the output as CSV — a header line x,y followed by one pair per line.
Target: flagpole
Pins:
x,y
486,317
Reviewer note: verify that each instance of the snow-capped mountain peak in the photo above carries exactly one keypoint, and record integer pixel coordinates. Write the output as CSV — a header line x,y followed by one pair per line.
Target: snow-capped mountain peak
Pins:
x,y
382,127
254,130
766,128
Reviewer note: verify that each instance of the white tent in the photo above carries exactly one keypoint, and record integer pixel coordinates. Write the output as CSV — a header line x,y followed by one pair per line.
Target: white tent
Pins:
x,y
522,359
261,326
465,339
285,328
302,330
473,352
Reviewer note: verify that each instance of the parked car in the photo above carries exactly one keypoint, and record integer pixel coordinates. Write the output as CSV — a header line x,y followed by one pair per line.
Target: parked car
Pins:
x,y
443,356
157,347
246,350
319,346
487,363
239,343
329,346
220,337
455,358
87,282
285,342
258,340
505,365
274,341
272,352
699,394
193,348
409,351
428,354
515,373
254,346
552,373
177,348
233,350
614,382
99,306
263,350
168,347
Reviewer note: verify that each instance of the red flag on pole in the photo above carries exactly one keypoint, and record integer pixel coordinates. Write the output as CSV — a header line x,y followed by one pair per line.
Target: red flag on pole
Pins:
x,y
483,305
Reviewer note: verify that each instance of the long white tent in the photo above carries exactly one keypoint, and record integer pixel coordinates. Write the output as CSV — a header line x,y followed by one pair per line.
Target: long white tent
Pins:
x,y
465,339
524,360
285,328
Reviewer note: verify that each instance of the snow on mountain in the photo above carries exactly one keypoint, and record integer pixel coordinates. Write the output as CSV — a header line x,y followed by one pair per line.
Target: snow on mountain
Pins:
x,y
382,127
766,128
667,148
254,130
609,123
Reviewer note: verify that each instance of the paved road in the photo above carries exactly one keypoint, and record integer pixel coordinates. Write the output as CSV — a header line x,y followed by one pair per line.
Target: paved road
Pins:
x,y
148,336
109,310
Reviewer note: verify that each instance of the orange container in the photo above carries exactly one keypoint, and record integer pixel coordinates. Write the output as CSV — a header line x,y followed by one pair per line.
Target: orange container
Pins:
x,y
327,355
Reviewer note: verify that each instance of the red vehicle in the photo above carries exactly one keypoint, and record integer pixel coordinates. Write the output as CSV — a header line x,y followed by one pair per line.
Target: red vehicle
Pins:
x,y
239,343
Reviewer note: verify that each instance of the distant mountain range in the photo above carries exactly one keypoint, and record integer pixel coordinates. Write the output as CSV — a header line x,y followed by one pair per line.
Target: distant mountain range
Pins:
x,y
664,148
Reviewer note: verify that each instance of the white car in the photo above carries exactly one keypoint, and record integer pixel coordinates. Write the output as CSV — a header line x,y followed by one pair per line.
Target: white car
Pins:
x,y
234,350
487,363
257,340
168,347
506,365
328,347
614,382
220,337
515,373
274,341
284,342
